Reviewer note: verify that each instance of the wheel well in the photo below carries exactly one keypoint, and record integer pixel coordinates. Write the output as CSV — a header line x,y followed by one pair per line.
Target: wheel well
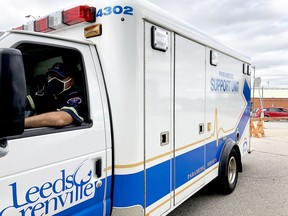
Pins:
x,y
224,157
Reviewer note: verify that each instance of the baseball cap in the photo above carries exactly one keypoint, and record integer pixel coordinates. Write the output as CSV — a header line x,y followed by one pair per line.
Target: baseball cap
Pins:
x,y
60,69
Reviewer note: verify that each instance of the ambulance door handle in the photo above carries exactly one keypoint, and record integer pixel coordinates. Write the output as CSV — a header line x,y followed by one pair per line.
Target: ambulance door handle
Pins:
x,y
164,138
98,168
3,147
201,128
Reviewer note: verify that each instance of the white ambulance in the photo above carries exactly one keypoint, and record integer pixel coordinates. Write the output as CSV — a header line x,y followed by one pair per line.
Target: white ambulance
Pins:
x,y
168,111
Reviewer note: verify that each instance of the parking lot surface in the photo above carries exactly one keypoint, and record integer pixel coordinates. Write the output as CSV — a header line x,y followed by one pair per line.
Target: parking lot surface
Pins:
x,y
262,188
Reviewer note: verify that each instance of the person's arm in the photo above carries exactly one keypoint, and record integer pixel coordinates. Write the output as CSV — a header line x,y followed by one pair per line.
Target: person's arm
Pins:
x,y
50,119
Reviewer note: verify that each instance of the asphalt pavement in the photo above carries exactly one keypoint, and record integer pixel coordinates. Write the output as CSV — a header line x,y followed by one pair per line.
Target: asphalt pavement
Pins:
x,y
262,188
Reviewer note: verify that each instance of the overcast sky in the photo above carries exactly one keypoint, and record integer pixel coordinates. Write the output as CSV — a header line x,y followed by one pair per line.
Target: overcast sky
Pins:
x,y
256,28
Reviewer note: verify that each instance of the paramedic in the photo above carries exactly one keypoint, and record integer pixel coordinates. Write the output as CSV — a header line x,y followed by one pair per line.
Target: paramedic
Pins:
x,y
58,103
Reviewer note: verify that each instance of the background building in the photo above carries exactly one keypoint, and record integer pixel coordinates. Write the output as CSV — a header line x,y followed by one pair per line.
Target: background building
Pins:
x,y
272,97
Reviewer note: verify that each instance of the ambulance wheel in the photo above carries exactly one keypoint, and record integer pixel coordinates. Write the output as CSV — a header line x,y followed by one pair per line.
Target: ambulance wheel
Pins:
x,y
229,180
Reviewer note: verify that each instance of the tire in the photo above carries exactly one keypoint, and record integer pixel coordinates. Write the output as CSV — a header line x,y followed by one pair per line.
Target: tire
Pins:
x,y
229,180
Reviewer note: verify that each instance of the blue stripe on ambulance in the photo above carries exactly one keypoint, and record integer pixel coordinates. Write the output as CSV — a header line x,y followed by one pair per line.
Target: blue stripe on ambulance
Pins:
x,y
129,189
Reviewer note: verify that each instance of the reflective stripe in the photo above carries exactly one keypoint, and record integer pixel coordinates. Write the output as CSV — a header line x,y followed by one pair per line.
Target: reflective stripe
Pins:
x,y
32,104
73,110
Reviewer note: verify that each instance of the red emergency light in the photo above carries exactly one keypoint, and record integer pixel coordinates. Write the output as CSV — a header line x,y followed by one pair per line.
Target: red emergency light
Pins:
x,y
79,14
41,25
19,28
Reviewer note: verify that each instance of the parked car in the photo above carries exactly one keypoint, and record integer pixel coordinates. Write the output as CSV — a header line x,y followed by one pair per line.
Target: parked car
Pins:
x,y
272,112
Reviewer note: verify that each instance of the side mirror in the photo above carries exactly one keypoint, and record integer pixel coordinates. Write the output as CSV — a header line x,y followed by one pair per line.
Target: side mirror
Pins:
x,y
12,92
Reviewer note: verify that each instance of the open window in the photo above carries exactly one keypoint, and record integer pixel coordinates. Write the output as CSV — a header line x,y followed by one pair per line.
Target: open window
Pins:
x,y
39,58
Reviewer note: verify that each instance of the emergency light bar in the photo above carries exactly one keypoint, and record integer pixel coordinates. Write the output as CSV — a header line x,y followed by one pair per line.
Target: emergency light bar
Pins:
x,y
60,19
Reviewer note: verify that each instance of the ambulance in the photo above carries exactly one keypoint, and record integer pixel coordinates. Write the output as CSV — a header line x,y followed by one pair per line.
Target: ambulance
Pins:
x,y
168,111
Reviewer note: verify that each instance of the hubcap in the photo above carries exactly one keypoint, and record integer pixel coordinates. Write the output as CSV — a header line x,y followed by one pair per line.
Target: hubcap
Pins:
x,y
232,170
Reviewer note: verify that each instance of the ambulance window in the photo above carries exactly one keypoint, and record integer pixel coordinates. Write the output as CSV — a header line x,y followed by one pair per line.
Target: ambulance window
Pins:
x,y
55,81
214,59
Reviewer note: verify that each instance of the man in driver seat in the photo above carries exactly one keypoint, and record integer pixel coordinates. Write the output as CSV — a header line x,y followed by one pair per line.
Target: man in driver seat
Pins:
x,y
58,103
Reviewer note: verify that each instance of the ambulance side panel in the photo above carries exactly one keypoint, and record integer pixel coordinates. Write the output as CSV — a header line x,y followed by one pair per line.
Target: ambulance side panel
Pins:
x,y
228,104
158,129
190,128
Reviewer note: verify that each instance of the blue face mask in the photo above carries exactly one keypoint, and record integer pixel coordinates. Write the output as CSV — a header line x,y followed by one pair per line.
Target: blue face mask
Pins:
x,y
57,86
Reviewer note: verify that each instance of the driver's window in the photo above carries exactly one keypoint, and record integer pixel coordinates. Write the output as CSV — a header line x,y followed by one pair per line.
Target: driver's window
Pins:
x,y
55,83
